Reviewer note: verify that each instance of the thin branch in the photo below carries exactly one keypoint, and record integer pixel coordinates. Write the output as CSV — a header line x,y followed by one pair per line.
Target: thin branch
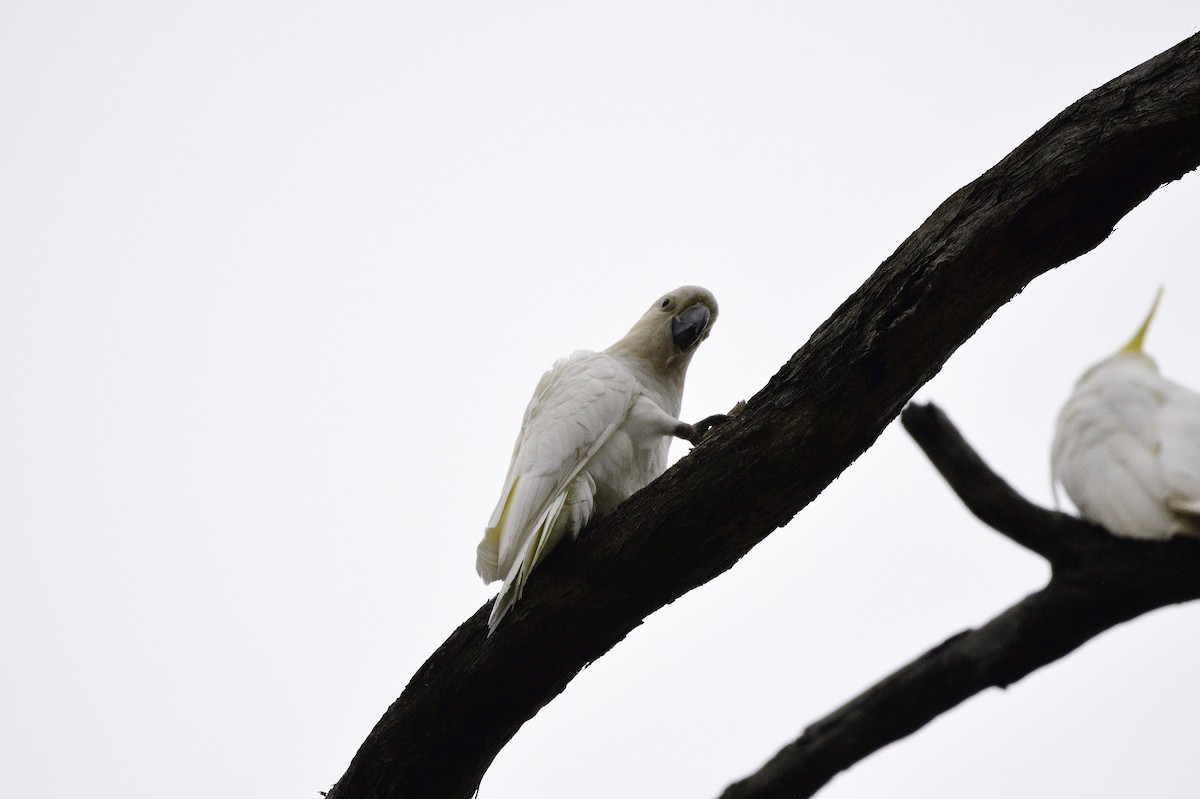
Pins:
x,y
1098,581
985,493
1052,199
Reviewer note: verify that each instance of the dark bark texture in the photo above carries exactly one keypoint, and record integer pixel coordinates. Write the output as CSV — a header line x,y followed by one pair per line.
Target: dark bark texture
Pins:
x,y
1097,581
1052,199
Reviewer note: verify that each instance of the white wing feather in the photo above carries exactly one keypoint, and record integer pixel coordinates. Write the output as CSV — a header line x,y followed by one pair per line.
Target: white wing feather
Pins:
x,y
1181,450
575,409
1127,452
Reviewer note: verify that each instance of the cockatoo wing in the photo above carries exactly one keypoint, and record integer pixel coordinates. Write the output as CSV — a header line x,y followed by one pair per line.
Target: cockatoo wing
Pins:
x,y
1127,446
1106,455
575,409
1180,456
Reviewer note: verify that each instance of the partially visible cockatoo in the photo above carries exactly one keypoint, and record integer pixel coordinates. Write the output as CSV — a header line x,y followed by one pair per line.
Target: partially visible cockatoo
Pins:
x,y
597,429
1127,446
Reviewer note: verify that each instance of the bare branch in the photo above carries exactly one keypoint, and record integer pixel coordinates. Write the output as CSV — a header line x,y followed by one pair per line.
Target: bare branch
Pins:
x,y
1055,197
1098,581
985,493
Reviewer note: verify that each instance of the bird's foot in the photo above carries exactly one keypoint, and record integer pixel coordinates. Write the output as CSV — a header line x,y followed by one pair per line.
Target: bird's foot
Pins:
x,y
697,432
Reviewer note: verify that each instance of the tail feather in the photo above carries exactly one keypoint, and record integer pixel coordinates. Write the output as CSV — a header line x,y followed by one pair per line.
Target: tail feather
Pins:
x,y
568,513
1186,507
546,533
1187,516
487,554
487,564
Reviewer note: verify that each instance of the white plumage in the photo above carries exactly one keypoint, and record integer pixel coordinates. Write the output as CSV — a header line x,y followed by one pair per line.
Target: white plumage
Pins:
x,y
597,429
1127,447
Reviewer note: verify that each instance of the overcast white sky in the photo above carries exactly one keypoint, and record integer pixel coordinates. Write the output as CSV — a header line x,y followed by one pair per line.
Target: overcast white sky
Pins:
x,y
277,280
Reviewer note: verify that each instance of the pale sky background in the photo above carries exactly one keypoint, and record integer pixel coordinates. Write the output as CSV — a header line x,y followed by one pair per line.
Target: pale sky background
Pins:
x,y
277,280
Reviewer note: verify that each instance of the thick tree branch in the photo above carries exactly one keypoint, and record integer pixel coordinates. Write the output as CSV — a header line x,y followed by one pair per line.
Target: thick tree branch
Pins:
x,y
1097,582
1052,199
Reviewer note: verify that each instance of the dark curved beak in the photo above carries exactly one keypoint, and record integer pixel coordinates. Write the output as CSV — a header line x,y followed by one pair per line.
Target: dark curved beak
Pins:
x,y
687,328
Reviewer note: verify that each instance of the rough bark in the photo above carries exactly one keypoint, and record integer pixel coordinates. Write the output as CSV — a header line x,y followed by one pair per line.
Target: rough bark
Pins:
x,y
1097,581
1052,199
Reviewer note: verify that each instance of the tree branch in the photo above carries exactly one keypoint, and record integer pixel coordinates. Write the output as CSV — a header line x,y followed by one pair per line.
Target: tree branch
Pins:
x,y
1052,199
1054,536
1097,582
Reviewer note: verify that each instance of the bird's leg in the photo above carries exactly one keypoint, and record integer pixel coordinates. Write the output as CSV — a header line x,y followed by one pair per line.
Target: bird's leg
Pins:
x,y
687,432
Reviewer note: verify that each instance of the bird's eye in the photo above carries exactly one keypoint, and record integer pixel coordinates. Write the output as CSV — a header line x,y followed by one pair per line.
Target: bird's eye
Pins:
x,y
666,303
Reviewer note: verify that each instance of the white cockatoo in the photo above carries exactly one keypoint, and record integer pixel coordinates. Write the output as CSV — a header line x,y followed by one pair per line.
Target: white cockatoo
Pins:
x,y
1127,446
597,429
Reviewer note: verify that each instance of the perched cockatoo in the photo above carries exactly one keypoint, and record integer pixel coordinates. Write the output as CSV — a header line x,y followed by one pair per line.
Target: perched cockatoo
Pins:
x,y
1127,446
597,430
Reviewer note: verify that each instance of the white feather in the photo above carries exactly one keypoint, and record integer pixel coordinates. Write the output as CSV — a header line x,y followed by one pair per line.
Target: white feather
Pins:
x,y
1127,449
597,430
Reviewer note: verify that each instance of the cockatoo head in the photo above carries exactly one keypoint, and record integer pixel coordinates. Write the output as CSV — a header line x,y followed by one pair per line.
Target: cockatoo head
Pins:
x,y
668,333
